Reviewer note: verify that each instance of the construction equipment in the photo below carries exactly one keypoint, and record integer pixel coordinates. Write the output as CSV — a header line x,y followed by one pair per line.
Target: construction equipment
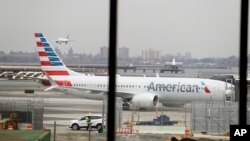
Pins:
x,y
10,123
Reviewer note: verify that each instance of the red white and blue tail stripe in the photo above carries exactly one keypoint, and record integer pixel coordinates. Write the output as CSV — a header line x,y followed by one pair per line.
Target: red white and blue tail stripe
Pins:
x,y
50,62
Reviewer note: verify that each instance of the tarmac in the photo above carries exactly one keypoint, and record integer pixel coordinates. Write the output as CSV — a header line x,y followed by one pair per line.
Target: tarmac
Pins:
x,y
62,108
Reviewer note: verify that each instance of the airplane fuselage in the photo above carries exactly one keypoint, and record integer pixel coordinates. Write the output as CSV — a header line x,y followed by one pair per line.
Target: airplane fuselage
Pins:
x,y
167,89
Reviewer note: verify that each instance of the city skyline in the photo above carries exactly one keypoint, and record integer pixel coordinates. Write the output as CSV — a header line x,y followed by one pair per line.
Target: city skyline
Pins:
x,y
145,54
76,58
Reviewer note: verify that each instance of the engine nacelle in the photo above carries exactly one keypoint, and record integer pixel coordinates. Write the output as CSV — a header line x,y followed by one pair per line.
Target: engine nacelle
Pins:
x,y
146,100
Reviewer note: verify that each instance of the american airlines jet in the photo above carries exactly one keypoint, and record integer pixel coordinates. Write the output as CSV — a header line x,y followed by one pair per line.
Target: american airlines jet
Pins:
x,y
145,92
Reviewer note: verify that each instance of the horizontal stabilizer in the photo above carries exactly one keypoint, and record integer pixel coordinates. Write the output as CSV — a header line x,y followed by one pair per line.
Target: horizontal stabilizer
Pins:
x,y
51,87
52,82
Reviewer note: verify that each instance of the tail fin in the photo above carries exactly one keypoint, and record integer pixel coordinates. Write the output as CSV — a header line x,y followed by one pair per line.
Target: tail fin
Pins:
x,y
51,63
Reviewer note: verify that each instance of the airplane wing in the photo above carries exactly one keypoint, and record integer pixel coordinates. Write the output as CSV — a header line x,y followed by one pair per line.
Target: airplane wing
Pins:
x,y
52,82
37,79
122,94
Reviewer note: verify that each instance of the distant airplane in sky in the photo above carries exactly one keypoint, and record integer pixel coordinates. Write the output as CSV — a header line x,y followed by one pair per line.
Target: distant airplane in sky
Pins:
x,y
143,92
64,40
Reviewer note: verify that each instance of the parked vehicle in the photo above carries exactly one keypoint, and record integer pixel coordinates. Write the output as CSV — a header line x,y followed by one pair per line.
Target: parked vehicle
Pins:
x,y
161,120
96,122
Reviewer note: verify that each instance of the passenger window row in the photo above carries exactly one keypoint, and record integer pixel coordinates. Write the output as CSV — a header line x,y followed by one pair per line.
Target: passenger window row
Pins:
x,y
103,85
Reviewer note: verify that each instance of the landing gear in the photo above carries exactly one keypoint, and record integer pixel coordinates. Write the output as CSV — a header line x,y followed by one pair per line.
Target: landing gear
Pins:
x,y
126,106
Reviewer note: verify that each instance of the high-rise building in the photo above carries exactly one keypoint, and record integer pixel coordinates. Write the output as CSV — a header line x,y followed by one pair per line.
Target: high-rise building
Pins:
x,y
145,55
71,52
104,51
123,53
158,54
150,54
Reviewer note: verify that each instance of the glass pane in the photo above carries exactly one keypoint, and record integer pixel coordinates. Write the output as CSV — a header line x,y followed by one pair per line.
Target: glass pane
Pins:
x,y
60,45
183,57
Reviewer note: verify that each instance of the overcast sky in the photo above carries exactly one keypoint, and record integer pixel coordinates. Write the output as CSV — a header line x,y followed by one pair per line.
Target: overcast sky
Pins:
x,y
205,28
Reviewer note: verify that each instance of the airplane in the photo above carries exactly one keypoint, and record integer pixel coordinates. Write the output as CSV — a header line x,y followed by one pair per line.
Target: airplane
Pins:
x,y
64,40
142,92
174,66
173,63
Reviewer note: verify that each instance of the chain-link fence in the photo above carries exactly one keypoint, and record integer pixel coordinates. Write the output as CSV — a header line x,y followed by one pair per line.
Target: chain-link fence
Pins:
x,y
28,110
213,117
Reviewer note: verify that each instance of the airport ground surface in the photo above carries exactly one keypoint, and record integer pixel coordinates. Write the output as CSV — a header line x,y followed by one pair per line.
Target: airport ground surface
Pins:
x,y
62,108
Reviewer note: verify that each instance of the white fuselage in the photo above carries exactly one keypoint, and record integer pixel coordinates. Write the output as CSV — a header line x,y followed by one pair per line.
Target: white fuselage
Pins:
x,y
167,89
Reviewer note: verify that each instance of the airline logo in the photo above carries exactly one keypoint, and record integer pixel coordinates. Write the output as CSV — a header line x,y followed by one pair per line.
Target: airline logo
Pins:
x,y
179,87
205,87
187,88
46,53
50,62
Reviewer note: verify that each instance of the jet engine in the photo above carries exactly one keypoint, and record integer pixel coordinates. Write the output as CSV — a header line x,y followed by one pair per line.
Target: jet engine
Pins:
x,y
147,101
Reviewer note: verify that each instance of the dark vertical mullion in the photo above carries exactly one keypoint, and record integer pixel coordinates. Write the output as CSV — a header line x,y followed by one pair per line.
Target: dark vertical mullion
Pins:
x,y
112,69
243,62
